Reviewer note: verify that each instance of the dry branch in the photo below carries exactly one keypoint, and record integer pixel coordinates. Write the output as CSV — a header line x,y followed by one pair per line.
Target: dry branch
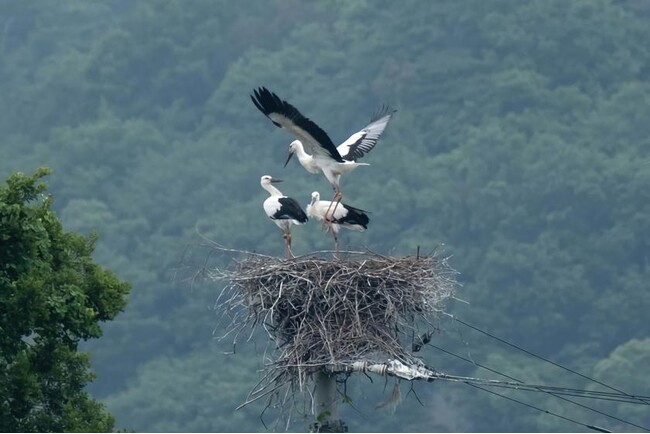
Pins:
x,y
323,315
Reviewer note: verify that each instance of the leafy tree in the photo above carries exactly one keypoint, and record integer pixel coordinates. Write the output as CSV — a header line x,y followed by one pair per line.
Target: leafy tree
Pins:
x,y
52,296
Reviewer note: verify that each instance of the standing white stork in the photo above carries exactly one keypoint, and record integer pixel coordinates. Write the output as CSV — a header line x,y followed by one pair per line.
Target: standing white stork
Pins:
x,y
283,210
344,216
325,156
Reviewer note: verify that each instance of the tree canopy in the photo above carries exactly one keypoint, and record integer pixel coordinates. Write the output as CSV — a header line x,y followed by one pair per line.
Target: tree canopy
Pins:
x,y
52,296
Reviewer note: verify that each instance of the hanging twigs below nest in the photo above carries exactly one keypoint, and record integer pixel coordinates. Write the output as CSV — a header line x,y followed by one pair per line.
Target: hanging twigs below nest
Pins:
x,y
324,313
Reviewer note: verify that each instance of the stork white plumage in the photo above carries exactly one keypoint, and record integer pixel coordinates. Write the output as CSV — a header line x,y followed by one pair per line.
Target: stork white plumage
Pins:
x,y
283,210
314,148
342,216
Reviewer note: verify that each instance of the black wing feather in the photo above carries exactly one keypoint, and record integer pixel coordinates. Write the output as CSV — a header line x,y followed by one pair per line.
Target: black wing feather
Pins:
x,y
382,111
354,216
268,102
356,151
290,209
368,137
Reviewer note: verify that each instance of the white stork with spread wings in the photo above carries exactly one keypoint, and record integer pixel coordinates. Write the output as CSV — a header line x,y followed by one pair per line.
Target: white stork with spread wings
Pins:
x,y
314,148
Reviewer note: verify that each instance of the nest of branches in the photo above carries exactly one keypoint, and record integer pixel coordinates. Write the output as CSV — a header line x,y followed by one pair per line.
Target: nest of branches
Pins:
x,y
323,313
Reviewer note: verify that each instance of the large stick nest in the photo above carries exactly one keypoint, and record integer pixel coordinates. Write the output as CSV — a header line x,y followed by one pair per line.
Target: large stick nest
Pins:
x,y
321,312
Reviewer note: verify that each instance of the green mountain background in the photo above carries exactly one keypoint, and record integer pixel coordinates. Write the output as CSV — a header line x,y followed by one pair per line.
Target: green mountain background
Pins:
x,y
521,147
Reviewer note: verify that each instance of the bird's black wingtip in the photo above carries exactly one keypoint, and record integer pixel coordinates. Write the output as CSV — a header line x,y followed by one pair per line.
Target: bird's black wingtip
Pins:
x,y
263,100
257,104
260,90
266,101
383,110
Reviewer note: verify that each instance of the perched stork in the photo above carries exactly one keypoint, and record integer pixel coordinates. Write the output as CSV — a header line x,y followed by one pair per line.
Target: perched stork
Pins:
x,y
314,148
283,210
344,216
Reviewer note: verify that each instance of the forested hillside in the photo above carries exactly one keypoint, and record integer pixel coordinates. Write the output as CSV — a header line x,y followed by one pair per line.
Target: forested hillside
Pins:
x,y
520,147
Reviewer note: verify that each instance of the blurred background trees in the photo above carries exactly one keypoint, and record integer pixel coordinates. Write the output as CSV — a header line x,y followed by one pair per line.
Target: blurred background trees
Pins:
x,y
521,142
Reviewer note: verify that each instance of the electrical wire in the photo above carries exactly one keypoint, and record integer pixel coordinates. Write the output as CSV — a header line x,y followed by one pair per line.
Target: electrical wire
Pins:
x,y
620,396
593,394
532,387
645,400
592,427
541,390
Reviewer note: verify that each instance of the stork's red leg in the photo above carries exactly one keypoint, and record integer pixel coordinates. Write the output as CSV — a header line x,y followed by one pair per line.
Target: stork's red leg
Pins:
x,y
327,221
287,244
290,252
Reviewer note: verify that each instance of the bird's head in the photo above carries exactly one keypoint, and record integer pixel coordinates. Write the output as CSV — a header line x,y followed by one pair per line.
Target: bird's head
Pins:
x,y
268,180
293,148
315,197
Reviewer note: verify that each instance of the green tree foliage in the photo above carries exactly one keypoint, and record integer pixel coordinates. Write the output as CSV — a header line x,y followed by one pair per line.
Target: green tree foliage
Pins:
x,y
52,296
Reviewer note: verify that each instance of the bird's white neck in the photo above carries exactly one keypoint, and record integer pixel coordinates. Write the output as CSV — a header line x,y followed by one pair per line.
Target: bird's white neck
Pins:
x,y
306,160
300,151
272,190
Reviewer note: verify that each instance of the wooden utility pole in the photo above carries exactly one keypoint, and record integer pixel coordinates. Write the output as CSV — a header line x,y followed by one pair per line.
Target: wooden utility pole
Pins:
x,y
326,405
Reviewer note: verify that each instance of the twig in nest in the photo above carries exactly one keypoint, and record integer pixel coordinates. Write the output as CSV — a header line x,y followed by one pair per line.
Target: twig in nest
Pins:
x,y
322,313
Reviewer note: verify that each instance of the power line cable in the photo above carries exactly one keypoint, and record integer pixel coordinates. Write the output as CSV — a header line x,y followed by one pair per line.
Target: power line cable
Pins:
x,y
534,388
646,400
591,427
594,394
541,390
